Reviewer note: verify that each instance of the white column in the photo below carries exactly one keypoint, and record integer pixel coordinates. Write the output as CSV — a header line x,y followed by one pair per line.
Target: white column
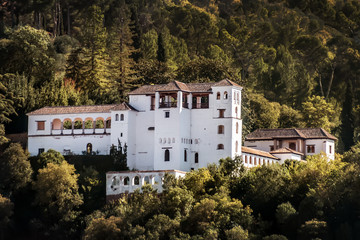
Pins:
x,y
190,101
157,99
179,100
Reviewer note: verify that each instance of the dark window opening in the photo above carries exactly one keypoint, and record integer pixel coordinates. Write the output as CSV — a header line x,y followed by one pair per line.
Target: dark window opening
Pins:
x,y
310,148
126,181
121,117
221,129
136,180
167,114
196,157
41,150
221,113
167,155
292,146
218,96
89,148
220,146
41,125
185,156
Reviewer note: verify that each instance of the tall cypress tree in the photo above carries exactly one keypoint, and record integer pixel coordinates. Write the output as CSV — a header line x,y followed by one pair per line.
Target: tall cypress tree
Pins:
x,y
161,53
120,52
94,80
347,126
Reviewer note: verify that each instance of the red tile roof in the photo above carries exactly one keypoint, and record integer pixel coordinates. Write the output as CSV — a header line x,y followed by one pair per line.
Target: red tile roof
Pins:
x,y
282,133
180,86
285,150
257,152
82,109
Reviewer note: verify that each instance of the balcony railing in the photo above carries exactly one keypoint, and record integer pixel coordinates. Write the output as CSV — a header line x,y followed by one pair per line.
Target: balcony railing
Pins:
x,y
168,105
185,105
200,105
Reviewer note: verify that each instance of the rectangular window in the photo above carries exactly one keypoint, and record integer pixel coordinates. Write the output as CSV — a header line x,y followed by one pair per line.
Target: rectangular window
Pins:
x,y
310,148
41,125
167,114
330,150
272,148
221,113
41,150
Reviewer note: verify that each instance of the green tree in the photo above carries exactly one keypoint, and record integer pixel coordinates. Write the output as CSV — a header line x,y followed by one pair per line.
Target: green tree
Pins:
x,y
122,65
50,156
32,53
15,169
6,211
59,182
6,109
94,80
319,113
237,233
161,55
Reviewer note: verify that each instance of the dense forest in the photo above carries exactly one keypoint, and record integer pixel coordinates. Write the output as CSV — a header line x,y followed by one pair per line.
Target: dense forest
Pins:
x,y
299,64
298,61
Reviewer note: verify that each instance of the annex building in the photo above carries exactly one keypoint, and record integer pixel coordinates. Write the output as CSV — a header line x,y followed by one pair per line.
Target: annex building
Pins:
x,y
173,128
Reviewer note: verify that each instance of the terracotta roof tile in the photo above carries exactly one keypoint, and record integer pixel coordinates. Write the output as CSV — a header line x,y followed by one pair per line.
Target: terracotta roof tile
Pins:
x,y
226,82
306,133
180,86
200,87
146,89
82,109
285,150
257,152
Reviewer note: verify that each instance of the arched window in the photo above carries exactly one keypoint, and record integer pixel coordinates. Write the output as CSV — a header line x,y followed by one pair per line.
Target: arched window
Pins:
x,y
236,112
89,123
221,129
236,146
255,162
56,124
108,123
146,180
136,180
220,146
225,95
292,146
116,117
99,123
89,148
238,99
67,124
121,117
185,155
126,181
218,96
250,160
78,123
167,155
246,161
196,157
237,127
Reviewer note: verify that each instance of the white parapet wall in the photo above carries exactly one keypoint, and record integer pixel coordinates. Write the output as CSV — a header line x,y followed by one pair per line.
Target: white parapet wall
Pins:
x,y
126,182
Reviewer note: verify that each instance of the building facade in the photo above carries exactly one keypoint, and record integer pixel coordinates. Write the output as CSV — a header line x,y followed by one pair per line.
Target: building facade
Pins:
x,y
165,127
292,143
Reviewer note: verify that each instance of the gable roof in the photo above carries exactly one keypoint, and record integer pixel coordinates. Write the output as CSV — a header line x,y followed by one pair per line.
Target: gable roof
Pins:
x,y
226,82
284,133
180,86
285,150
82,109
257,152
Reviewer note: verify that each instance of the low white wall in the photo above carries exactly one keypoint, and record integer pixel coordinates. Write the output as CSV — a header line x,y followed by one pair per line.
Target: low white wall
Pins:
x,y
125,182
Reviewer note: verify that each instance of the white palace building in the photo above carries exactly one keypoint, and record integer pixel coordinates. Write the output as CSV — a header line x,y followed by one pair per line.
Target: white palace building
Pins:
x,y
174,127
